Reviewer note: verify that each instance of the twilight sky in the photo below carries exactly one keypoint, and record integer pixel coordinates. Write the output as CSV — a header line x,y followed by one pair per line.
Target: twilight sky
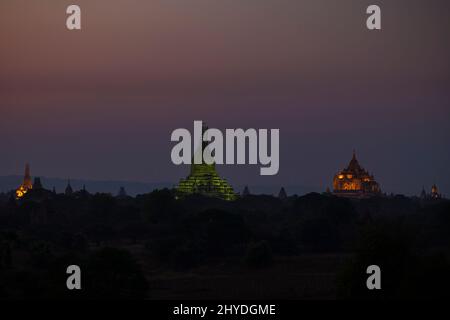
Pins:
x,y
101,103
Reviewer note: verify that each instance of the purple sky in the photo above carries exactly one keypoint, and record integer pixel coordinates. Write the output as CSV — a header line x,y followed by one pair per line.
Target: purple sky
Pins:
x,y
101,103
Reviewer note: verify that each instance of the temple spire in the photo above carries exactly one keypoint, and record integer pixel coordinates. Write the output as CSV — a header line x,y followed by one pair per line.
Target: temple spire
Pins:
x,y
282,194
27,177
69,189
26,185
27,171
246,192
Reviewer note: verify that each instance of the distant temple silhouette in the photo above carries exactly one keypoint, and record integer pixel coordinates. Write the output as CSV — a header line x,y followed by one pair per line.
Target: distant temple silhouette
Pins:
x,y
433,195
355,181
26,185
282,195
246,192
37,185
69,190
122,193
204,180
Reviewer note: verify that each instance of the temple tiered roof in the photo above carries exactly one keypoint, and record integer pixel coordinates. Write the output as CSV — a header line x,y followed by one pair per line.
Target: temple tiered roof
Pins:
x,y
355,181
204,180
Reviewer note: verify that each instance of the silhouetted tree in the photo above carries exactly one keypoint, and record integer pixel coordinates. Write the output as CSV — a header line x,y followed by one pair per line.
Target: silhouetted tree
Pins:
x,y
114,274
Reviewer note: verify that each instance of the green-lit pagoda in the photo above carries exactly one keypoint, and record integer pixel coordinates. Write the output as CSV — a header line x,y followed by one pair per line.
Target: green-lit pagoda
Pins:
x,y
204,180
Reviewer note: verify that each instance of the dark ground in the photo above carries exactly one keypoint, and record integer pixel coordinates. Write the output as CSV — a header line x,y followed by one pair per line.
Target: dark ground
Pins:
x,y
259,247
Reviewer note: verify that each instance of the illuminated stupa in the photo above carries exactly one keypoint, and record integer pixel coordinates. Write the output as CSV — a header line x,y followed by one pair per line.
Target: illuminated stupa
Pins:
x,y
204,180
435,192
355,181
26,185
435,195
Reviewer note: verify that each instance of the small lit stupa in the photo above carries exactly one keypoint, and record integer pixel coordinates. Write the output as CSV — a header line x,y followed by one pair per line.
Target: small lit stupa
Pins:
x,y
26,185
434,195
435,192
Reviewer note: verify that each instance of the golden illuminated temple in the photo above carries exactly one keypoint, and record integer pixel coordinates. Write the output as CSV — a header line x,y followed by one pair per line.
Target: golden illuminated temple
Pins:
x,y
26,185
355,181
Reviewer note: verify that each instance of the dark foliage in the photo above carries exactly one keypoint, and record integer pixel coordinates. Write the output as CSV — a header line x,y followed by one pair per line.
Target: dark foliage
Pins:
x,y
120,243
